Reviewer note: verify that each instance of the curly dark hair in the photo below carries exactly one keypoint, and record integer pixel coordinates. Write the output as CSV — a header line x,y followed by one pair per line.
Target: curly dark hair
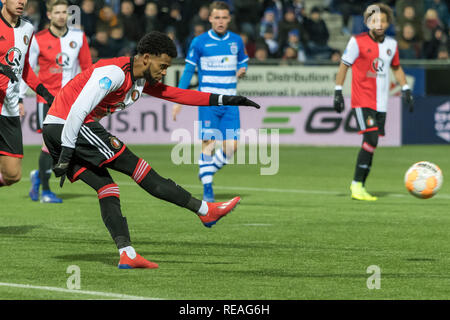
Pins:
x,y
157,43
383,8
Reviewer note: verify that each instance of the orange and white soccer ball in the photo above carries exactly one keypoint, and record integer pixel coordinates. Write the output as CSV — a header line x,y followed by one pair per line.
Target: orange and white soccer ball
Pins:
x,y
423,179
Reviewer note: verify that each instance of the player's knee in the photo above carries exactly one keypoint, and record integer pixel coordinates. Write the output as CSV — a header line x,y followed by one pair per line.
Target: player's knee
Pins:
x,y
370,141
11,176
110,189
208,146
230,148
126,163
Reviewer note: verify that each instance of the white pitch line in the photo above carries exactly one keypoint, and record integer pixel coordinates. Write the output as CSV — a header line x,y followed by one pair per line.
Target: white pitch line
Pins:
x,y
278,190
92,293
304,191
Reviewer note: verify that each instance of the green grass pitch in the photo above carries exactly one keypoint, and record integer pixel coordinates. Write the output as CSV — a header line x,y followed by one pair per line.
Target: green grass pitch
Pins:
x,y
295,235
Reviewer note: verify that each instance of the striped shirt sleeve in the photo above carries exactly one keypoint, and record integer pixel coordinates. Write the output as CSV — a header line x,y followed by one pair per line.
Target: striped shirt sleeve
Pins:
x,y
103,81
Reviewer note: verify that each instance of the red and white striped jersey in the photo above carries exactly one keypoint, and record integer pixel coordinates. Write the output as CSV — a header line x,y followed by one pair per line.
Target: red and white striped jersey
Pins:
x,y
14,45
59,58
106,87
370,62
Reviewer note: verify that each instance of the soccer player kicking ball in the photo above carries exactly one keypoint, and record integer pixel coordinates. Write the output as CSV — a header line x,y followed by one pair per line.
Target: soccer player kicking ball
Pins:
x,y
370,55
59,51
82,148
15,36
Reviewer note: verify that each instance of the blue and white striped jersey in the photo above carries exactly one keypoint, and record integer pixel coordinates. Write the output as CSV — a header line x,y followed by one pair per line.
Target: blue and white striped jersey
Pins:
x,y
217,59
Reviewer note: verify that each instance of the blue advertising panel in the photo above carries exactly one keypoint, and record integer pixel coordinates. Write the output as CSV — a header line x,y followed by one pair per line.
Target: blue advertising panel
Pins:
x,y
429,123
419,80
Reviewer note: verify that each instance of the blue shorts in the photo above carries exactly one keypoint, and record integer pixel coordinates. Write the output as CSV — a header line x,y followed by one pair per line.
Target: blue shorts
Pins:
x,y
219,123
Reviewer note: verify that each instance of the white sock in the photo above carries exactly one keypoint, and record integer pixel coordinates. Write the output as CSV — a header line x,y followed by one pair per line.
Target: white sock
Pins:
x,y
131,253
203,209
219,159
206,168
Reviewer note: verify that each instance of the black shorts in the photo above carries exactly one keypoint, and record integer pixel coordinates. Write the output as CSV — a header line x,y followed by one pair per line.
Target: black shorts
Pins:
x,y
95,147
41,112
370,120
11,137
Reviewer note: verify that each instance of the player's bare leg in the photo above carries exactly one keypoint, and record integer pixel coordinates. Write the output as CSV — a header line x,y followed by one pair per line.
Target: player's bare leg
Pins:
x,y
230,148
10,170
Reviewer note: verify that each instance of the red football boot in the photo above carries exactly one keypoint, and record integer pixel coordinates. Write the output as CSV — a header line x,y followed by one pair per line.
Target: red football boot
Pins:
x,y
217,210
138,262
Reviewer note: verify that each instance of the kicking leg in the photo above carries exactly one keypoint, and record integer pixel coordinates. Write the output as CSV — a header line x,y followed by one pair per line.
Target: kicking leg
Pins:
x,y
166,189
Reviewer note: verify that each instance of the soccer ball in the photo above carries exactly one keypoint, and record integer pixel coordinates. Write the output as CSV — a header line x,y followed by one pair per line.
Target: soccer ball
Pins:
x,y
423,179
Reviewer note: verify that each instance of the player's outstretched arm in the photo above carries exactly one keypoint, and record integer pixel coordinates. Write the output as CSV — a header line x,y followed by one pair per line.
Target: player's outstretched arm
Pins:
x,y
224,100
196,98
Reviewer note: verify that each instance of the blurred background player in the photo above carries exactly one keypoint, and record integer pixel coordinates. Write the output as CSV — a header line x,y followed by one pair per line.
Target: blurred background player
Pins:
x,y
83,149
15,36
370,55
60,52
220,58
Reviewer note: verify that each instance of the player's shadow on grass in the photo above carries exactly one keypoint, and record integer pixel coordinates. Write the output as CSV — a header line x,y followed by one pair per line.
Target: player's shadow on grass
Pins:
x,y
420,259
219,197
111,259
106,258
67,196
17,230
379,194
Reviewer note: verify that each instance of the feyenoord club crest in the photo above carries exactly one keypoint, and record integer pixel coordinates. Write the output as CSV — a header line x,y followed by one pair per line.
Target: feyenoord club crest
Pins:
x,y
135,95
73,44
115,143
370,122
389,52
26,40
